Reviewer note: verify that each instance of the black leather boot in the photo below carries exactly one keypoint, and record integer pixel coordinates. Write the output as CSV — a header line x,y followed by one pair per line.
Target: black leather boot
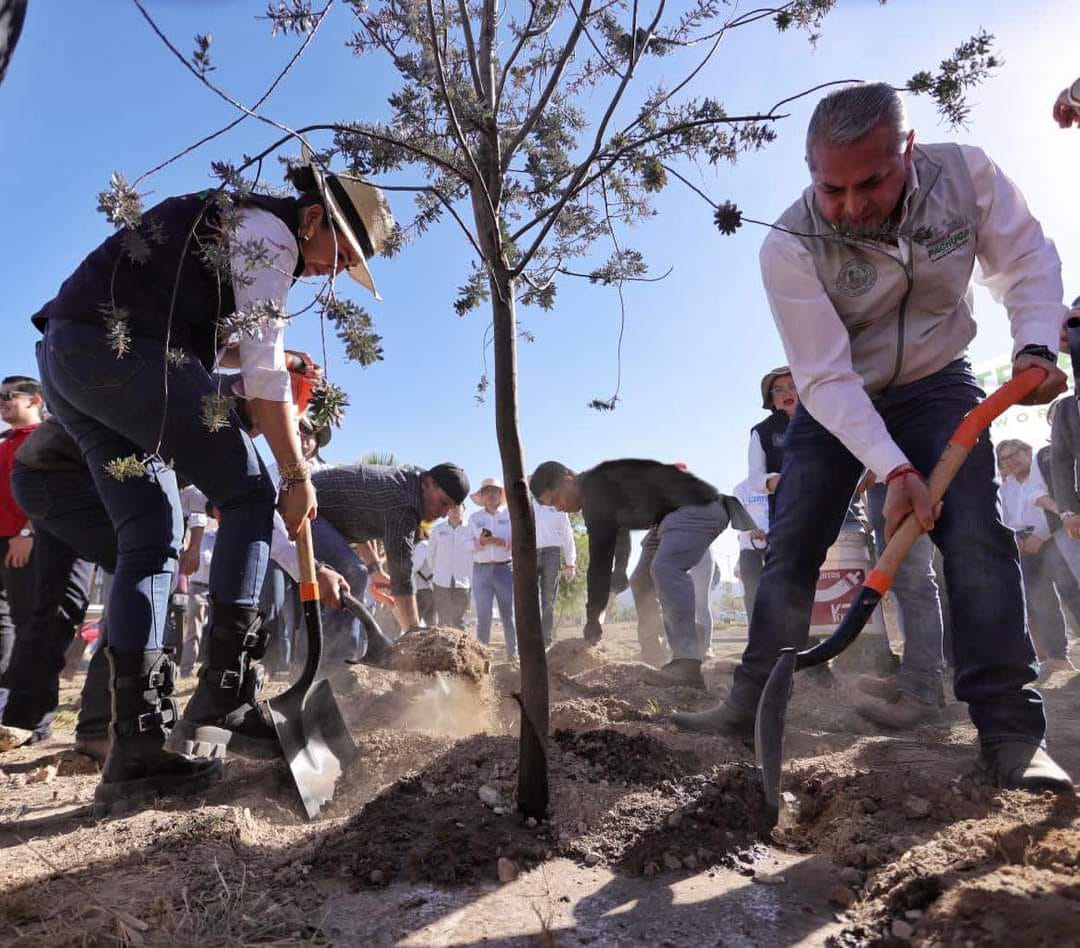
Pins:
x,y
224,714
138,768
95,710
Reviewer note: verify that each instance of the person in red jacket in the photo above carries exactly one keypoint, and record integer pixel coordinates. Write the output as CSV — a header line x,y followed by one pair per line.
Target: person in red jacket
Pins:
x,y
21,405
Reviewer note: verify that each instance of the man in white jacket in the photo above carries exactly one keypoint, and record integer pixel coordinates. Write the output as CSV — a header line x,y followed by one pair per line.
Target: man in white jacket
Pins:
x,y
868,276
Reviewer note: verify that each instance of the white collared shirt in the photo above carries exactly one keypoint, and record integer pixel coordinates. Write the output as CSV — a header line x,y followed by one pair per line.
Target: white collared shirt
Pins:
x,y
756,503
553,529
1018,509
262,357
450,553
1017,263
421,565
499,525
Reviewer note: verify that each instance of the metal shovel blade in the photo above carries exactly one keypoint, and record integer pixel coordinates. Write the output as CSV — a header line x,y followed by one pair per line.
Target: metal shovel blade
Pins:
x,y
314,741
769,730
379,646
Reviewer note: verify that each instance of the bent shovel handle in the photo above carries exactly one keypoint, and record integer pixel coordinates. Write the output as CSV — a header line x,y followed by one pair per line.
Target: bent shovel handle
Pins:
x,y
956,452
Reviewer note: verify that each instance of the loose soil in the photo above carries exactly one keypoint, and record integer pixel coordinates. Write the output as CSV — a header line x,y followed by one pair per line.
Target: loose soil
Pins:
x,y
654,836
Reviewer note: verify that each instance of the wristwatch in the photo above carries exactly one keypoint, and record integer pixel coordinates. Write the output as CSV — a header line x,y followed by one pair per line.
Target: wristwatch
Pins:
x,y
26,532
1066,514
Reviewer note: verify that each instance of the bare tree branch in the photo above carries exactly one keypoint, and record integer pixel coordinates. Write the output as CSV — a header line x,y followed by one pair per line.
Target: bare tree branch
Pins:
x,y
552,83
459,134
266,95
466,26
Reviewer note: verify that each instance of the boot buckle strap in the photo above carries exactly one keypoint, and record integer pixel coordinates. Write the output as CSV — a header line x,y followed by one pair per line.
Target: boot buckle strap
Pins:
x,y
225,678
151,720
250,639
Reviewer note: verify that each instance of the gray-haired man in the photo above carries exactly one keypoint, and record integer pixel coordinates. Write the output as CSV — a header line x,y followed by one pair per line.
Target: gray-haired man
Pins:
x,y
868,276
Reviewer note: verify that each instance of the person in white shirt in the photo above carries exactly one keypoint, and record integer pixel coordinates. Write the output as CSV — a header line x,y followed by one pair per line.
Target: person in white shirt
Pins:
x,y
752,543
556,554
450,553
868,275
1025,499
493,576
422,576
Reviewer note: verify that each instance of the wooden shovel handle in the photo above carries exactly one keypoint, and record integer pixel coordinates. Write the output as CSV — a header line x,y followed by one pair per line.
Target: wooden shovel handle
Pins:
x,y
960,445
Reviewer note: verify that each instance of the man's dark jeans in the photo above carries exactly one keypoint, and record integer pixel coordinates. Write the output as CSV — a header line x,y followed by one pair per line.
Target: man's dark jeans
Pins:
x,y
1044,612
993,656
18,582
72,532
549,564
751,564
116,408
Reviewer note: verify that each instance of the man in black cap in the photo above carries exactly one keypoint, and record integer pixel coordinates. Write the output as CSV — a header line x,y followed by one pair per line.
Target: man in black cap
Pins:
x,y
362,502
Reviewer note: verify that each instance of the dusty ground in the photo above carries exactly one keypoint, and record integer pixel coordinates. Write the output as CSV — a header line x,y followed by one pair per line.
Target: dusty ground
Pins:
x,y
654,836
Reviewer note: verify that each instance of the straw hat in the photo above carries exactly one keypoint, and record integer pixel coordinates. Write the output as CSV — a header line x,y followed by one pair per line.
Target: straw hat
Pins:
x,y
360,211
488,482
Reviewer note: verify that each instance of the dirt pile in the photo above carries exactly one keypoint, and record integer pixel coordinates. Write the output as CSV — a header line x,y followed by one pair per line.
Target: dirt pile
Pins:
x,y
627,801
926,851
574,656
442,650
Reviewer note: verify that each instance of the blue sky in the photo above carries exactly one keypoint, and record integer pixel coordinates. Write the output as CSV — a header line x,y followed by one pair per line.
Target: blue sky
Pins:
x,y
91,90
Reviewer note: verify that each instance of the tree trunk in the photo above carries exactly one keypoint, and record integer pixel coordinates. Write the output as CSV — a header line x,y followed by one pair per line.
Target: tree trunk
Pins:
x,y
532,764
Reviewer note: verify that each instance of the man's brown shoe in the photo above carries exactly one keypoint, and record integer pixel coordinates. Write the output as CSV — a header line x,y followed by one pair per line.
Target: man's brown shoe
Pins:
x,y
884,688
724,719
1015,765
902,714
680,672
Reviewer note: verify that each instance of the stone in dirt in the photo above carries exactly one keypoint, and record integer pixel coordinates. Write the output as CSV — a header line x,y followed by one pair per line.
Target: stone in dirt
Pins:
x,y
917,807
841,895
592,859
901,929
46,774
488,795
850,876
506,869
12,737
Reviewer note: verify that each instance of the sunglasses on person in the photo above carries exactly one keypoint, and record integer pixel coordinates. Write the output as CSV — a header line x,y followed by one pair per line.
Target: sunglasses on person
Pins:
x,y
8,396
782,390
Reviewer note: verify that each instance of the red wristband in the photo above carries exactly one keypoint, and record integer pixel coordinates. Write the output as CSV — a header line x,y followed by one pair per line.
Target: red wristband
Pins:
x,y
902,471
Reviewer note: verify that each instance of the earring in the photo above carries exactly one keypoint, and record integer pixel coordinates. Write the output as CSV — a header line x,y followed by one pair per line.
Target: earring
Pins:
x,y
306,237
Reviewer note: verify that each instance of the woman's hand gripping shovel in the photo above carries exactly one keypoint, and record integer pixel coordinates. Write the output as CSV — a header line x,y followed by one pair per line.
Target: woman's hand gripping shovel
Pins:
x,y
314,740
772,707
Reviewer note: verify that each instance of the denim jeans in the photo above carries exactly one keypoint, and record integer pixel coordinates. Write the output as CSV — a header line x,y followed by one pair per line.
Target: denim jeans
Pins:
x,y
650,623
451,604
491,581
919,610
992,652
18,583
30,688
281,616
117,407
702,575
548,563
1043,608
751,563
345,636
73,530
668,555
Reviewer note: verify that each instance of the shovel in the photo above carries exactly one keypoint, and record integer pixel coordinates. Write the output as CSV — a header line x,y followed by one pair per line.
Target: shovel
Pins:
x,y
314,740
772,707
379,645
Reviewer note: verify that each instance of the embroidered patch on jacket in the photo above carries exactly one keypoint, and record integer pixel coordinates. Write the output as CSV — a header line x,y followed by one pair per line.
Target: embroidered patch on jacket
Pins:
x,y
950,242
856,277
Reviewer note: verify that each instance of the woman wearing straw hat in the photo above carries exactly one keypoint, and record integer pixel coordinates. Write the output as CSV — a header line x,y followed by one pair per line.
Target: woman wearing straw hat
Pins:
x,y
493,576
129,342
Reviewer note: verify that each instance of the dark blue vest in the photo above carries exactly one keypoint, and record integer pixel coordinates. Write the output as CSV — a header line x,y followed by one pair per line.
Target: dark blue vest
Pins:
x,y
176,231
771,434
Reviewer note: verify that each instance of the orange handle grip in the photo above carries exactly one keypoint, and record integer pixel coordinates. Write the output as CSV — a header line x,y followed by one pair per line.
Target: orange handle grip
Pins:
x,y
979,418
